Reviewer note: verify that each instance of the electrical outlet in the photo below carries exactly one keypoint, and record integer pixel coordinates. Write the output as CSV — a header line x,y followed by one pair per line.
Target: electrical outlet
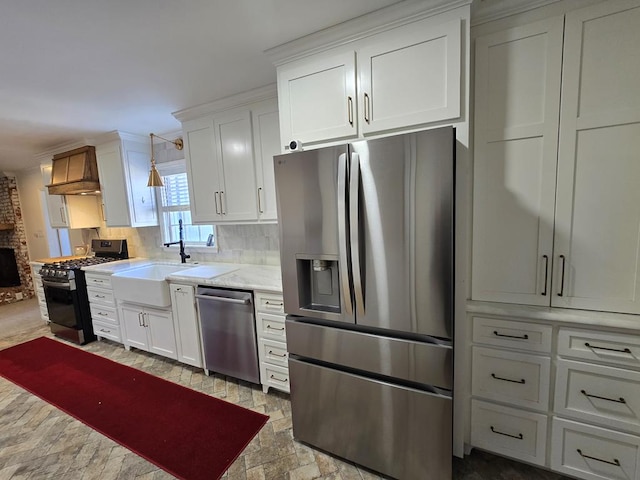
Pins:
x,y
19,296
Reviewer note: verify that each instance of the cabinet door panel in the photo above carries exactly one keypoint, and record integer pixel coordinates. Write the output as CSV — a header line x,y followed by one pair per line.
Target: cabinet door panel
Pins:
x,y
56,206
202,170
135,334
598,206
431,93
314,100
266,144
517,102
141,197
187,325
239,199
162,337
113,185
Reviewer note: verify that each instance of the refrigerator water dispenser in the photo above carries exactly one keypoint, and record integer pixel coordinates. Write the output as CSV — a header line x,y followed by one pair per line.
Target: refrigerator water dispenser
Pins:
x,y
318,288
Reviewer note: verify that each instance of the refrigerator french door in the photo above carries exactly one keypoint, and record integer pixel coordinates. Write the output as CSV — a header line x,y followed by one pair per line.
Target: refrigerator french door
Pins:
x,y
366,239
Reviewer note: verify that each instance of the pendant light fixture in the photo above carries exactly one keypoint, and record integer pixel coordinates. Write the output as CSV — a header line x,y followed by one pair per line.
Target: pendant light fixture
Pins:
x,y
154,177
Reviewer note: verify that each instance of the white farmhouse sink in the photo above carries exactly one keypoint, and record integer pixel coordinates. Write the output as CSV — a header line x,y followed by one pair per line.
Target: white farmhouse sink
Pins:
x,y
146,285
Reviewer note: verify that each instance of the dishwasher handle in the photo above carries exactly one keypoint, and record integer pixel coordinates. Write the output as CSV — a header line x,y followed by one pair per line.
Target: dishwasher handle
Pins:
x,y
246,301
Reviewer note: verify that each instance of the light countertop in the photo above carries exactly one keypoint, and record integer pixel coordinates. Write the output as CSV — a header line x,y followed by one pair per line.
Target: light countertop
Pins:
x,y
230,275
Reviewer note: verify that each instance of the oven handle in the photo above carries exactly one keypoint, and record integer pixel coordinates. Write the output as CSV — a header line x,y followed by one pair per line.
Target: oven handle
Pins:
x,y
60,285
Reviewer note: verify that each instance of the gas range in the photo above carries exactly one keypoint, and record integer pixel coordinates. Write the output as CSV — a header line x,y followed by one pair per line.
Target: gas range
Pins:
x,y
65,289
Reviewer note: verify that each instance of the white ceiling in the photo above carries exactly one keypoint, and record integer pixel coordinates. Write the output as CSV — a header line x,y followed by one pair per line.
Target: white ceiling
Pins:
x,y
74,69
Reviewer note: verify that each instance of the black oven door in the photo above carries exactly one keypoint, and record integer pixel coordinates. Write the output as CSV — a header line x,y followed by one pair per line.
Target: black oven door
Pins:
x,y
62,303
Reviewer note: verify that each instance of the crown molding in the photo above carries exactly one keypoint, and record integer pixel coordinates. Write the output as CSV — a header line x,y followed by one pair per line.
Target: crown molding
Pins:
x,y
46,155
361,27
483,11
226,103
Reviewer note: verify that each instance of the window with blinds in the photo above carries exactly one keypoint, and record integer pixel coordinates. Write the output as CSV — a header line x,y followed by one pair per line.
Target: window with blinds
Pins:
x,y
174,205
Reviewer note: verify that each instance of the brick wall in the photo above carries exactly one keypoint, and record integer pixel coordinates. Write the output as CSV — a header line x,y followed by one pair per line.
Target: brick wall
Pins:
x,y
11,213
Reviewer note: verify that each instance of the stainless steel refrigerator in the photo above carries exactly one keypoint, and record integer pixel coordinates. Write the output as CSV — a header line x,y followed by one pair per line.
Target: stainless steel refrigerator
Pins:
x,y
366,239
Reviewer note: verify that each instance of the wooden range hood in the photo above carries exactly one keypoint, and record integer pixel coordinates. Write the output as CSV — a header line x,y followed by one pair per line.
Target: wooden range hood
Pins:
x,y
75,172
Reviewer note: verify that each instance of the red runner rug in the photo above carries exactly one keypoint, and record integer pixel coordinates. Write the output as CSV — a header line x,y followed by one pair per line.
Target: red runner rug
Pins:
x,y
189,434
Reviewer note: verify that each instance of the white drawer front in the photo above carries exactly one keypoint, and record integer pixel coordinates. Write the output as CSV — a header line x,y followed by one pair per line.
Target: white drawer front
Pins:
x,y
606,395
600,347
95,280
271,326
510,334
104,314
273,352
509,431
269,302
103,330
510,377
592,452
101,296
276,377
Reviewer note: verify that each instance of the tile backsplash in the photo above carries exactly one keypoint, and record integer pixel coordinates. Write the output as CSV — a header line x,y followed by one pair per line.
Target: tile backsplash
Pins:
x,y
254,244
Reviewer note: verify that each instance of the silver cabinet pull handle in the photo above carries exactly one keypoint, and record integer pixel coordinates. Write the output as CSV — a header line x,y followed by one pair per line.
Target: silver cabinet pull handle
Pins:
x,y
367,112
521,381
99,296
215,197
615,462
518,437
222,209
546,274
271,352
519,337
350,110
260,200
279,304
589,395
284,380
140,319
103,314
144,322
561,293
62,217
619,350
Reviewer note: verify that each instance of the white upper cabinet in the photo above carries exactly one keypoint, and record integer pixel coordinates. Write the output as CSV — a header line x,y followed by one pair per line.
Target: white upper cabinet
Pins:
x,y
229,155
123,167
517,95
556,202
266,135
317,99
406,75
597,237
410,77
70,211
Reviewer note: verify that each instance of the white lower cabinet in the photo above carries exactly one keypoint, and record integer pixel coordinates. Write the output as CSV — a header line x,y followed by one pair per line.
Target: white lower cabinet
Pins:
x,y
187,327
149,329
591,430
509,431
596,453
104,314
39,289
272,341
511,380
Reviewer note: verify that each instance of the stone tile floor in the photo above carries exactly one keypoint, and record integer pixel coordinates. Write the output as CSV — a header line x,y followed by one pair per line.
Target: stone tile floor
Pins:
x,y
38,441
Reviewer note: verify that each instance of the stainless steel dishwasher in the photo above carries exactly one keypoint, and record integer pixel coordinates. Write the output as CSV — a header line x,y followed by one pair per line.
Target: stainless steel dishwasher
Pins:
x,y
228,330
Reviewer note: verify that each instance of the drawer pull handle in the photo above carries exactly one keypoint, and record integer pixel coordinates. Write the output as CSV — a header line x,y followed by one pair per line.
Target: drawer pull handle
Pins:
x,y
595,347
521,381
103,314
103,330
519,337
284,380
99,296
271,352
519,436
275,328
546,273
615,462
620,400
279,304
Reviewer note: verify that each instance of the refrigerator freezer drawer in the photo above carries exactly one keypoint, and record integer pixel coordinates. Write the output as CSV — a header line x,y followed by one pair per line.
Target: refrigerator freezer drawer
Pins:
x,y
419,362
401,432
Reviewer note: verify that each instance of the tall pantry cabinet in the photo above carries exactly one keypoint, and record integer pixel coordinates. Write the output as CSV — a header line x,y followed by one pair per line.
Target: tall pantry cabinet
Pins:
x,y
555,293
556,197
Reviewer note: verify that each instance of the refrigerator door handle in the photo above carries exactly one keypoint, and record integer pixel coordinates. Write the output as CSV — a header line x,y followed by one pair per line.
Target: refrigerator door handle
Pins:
x,y
354,233
342,234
